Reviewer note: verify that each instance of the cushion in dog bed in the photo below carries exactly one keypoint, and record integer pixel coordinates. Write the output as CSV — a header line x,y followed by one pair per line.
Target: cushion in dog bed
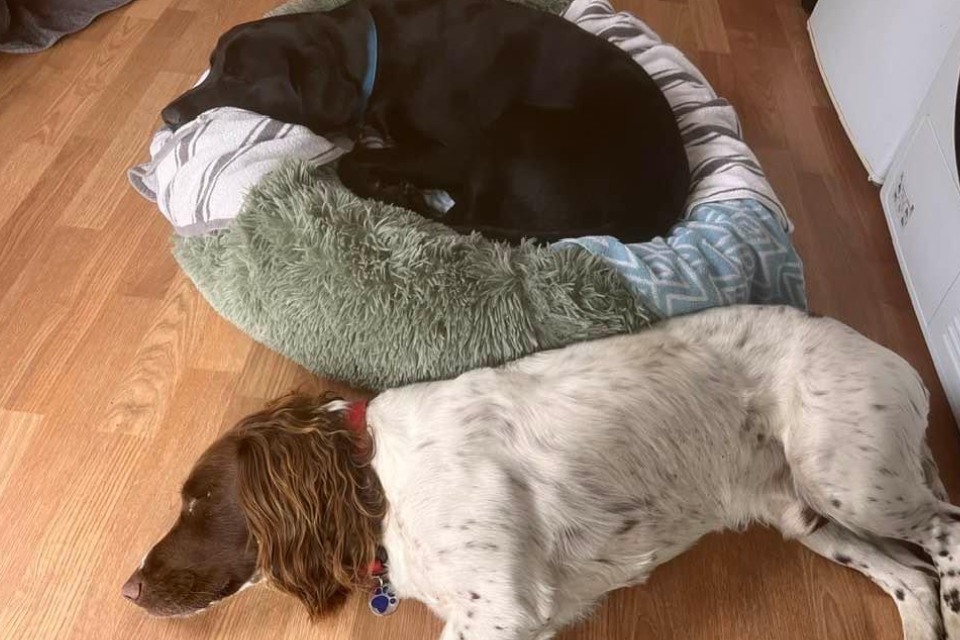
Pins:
x,y
379,296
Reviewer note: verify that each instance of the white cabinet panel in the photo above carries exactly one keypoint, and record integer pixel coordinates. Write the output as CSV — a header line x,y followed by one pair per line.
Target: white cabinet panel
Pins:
x,y
878,59
923,207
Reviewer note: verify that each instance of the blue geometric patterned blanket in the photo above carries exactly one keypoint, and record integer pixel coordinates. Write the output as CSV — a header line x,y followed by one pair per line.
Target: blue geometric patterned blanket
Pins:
x,y
730,252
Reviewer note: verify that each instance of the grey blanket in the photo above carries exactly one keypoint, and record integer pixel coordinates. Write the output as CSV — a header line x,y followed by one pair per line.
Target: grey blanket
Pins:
x,y
34,25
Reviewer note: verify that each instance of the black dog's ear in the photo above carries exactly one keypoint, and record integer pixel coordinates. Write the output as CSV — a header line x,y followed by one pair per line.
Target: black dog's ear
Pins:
x,y
329,97
306,70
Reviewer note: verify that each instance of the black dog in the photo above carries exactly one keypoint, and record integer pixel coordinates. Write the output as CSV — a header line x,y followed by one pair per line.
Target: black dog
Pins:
x,y
535,127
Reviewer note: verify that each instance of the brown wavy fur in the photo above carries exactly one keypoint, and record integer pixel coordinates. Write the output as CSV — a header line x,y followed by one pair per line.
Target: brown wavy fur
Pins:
x,y
310,497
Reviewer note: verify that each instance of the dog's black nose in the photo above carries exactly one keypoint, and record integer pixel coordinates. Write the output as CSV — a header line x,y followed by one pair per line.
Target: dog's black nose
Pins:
x,y
133,587
172,116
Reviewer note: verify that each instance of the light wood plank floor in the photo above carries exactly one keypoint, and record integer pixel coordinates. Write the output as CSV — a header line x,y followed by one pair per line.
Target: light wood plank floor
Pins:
x,y
114,373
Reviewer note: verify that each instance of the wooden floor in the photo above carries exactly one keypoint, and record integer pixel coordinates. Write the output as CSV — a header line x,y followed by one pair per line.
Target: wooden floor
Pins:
x,y
114,373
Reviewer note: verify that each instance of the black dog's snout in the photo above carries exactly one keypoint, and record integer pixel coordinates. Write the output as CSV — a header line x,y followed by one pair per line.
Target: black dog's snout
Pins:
x,y
172,116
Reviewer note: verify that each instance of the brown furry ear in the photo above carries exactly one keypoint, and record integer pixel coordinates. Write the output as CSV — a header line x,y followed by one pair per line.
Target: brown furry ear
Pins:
x,y
311,500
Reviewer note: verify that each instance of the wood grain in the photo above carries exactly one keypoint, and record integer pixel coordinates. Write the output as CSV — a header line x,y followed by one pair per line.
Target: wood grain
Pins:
x,y
115,374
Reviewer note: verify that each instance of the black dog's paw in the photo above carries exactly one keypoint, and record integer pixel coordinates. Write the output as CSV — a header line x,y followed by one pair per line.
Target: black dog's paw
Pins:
x,y
356,176
406,195
364,179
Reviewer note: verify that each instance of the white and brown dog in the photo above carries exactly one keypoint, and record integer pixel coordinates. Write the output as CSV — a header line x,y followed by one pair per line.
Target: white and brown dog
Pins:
x,y
510,500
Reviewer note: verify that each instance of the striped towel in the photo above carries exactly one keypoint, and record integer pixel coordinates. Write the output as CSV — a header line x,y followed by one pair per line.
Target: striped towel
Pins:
x,y
200,174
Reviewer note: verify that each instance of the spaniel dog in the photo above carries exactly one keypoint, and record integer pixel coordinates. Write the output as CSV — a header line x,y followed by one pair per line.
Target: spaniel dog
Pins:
x,y
511,499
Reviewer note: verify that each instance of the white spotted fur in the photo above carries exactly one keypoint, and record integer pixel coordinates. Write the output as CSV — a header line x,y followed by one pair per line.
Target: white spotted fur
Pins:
x,y
519,496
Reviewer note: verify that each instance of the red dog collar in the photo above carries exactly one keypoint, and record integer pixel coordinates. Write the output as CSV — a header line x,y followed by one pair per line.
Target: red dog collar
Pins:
x,y
357,416
356,419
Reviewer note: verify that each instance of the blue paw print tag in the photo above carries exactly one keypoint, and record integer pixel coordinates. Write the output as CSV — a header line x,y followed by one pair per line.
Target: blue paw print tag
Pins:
x,y
383,600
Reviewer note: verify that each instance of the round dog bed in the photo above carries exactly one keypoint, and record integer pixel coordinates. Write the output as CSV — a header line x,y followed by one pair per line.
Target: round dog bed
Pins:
x,y
379,296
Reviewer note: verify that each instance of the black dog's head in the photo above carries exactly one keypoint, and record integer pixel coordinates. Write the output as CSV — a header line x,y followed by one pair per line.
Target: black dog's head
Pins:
x,y
296,69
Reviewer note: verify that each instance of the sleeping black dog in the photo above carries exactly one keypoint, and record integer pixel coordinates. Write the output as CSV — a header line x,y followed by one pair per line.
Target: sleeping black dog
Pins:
x,y
535,127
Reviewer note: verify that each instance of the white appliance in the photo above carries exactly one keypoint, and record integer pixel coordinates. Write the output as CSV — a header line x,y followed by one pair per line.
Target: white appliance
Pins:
x,y
892,68
878,58
921,199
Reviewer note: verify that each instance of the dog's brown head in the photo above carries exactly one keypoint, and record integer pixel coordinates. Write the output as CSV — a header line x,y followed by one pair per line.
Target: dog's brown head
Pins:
x,y
287,495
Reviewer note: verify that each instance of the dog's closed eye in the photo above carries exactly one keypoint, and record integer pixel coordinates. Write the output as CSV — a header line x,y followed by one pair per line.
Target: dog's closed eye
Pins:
x,y
190,503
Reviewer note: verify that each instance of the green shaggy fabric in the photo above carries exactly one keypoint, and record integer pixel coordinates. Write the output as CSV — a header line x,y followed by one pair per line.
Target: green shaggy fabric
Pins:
x,y
378,296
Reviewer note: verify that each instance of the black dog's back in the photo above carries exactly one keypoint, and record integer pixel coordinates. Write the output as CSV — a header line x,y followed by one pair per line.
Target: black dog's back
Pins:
x,y
565,173
566,134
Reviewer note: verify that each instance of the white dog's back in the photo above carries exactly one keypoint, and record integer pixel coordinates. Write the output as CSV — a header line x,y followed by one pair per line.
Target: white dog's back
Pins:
x,y
568,473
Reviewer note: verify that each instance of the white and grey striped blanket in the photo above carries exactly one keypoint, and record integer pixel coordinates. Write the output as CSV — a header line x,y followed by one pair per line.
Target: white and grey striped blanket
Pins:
x,y
200,174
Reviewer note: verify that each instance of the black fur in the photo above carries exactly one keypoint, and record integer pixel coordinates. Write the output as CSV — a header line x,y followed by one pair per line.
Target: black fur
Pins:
x,y
535,127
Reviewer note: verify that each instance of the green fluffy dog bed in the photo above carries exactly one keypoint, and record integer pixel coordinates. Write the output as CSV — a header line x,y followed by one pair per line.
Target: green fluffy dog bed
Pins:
x,y
378,296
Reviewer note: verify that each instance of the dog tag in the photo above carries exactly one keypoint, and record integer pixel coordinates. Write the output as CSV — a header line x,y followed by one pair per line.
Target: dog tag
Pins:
x,y
383,599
